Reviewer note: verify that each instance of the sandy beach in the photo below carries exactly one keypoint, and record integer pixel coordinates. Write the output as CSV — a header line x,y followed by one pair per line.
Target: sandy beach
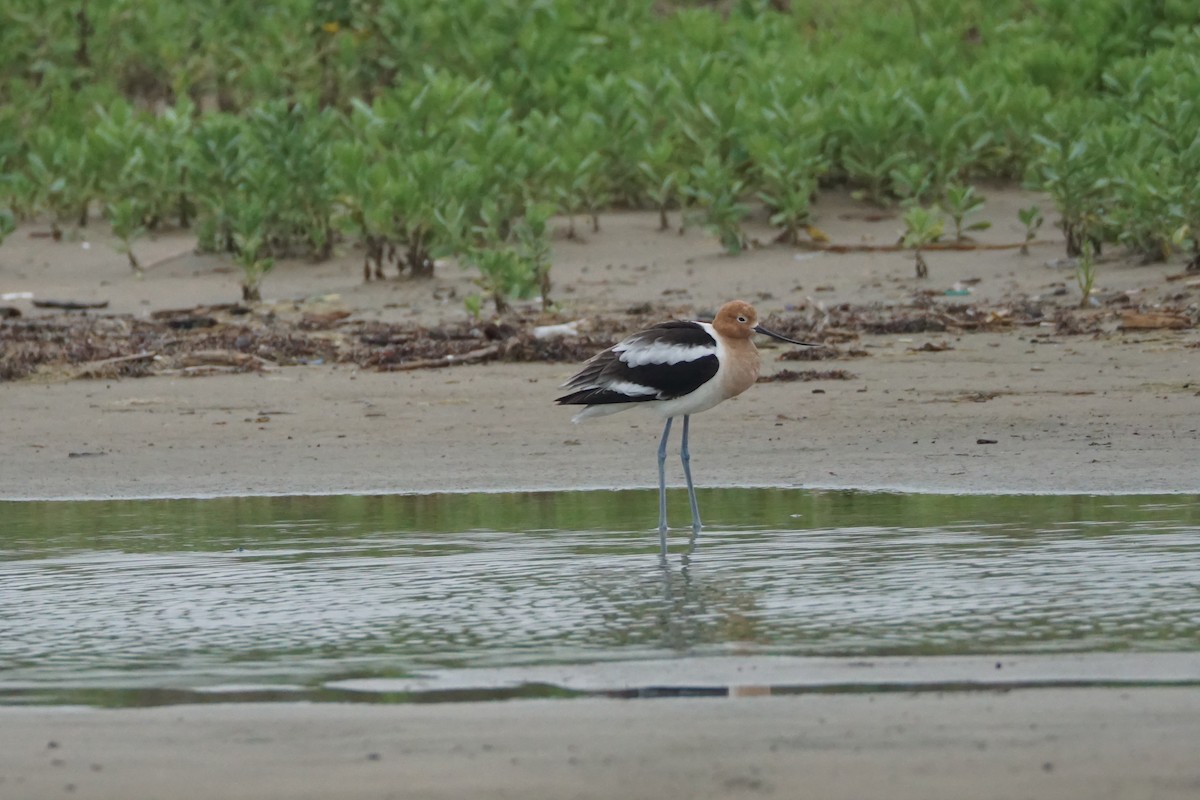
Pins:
x,y
1074,416
1049,744
1021,410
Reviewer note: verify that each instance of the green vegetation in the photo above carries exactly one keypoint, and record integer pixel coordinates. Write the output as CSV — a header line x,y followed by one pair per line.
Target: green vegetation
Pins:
x,y
922,227
960,202
1032,219
7,224
420,131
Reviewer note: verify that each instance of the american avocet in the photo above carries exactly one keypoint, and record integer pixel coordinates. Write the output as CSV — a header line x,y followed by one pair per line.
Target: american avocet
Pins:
x,y
676,368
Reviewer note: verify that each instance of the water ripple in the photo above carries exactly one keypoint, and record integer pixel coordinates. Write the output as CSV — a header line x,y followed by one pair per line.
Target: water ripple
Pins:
x,y
262,598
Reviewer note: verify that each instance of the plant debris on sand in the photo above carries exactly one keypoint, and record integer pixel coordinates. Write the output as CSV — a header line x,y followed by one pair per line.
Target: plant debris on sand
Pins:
x,y
791,375
236,338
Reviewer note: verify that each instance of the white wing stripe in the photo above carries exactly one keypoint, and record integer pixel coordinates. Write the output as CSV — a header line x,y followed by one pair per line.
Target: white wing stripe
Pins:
x,y
630,389
638,354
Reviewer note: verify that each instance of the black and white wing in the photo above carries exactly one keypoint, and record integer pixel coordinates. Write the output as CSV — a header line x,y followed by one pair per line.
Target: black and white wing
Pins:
x,y
664,362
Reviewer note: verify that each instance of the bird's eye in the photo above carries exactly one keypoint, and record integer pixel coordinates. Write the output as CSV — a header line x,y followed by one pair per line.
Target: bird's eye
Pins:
x,y
742,319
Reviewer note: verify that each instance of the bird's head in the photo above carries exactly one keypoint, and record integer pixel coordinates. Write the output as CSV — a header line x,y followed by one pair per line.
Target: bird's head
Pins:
x,y
737,319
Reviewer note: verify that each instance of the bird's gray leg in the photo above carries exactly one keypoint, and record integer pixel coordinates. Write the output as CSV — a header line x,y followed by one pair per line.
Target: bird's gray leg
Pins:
x,y
686,458
662,486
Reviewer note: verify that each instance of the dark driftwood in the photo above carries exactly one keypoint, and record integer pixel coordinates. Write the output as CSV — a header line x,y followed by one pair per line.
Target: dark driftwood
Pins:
x,y
70,305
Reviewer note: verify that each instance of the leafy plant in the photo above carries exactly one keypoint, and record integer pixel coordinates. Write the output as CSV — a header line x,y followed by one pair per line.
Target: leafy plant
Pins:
x,y
494,171
922,227
866,133
1148,205
288,146
428,197
619,100
959,202
534,245
391,192
361,181
584,186
216,165
716,191
503,273
913,183
1032,219
1154,160
517,265
1072,171
47,169
474,305
789,182
248,225
172,156
661,179
128,220
945,127
464,115
147,158
788,160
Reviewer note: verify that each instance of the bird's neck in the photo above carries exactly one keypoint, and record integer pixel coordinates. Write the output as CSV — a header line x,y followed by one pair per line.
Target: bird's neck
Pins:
x,y
742,366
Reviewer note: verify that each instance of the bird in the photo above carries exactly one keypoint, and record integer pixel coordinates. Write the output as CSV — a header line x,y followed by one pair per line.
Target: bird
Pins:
x,y
676,368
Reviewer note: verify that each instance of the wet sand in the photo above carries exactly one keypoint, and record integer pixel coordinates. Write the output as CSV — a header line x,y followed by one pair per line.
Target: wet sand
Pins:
x,y
1083,743
1019,411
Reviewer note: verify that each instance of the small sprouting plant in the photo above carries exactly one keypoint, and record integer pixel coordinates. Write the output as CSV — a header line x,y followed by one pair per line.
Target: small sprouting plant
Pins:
x,y
249,239
960,202
128,219
922,227
534,244
474,305
502,273
1032,219
1085,272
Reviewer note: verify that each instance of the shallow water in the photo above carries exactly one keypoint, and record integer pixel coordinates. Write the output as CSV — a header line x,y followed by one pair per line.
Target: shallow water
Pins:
x,y
131,602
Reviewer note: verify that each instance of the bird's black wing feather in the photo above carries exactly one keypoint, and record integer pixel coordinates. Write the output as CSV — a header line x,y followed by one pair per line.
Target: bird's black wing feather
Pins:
x,y
601,379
